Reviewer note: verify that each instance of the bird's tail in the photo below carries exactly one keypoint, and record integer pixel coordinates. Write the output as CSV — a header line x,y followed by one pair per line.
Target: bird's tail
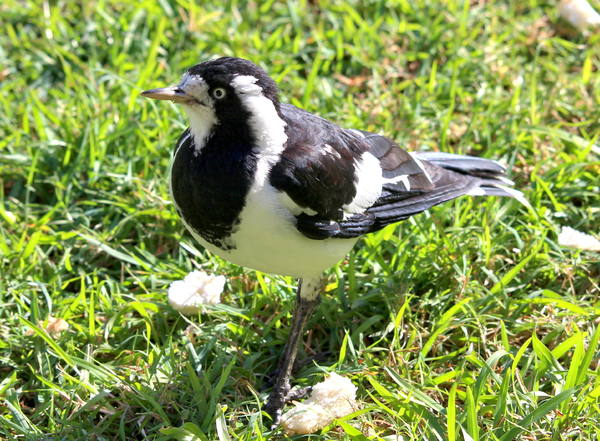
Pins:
x,y
492,174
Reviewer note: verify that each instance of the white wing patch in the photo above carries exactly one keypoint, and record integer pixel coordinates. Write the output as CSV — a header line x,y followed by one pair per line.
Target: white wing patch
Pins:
x,y
368,181
404,179
420,164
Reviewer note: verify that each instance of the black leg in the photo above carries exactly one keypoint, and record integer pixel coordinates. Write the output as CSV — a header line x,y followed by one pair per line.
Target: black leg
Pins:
x,y
307,297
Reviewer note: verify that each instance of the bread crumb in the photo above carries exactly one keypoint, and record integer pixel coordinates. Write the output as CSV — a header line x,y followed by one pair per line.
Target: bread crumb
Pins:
x,y
572,238
579,13
335,397
196,289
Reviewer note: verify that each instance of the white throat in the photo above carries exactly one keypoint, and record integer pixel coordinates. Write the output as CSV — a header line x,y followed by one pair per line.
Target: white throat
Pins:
x,y
202,123
202,117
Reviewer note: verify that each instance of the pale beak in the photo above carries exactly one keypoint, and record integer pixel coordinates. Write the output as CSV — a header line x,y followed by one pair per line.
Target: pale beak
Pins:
x,y
173,93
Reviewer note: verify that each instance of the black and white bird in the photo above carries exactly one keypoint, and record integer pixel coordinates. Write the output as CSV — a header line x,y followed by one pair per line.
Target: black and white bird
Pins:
x,y
269,186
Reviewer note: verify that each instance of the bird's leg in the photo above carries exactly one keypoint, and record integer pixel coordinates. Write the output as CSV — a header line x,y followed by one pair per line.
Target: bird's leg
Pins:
x,y
307,297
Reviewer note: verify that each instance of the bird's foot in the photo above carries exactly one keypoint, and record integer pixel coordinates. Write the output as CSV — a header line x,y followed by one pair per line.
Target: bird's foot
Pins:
x,y
278,399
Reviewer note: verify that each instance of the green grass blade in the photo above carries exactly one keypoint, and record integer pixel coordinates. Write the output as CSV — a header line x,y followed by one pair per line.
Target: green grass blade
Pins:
x,y
546,407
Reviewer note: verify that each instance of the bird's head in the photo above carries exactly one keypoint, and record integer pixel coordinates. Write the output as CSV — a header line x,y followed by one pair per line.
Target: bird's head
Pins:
x,y
219,90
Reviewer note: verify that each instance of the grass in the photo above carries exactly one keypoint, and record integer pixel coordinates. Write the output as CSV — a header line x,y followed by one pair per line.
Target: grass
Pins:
x,y
468,322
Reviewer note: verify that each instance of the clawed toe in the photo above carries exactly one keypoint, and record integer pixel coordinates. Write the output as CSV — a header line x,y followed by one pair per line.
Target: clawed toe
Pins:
x,y
298,393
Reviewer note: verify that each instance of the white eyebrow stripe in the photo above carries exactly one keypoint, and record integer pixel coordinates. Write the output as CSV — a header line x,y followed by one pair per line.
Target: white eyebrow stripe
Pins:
x,y
246,84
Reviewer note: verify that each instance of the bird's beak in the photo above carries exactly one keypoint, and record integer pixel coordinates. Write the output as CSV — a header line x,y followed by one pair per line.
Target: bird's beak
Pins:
x,y
173,93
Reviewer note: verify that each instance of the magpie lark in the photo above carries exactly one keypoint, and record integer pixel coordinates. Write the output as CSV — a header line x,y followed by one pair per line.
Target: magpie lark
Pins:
x,y
272,187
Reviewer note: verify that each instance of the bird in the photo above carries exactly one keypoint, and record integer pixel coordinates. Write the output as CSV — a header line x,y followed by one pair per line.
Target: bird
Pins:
x,y
271,187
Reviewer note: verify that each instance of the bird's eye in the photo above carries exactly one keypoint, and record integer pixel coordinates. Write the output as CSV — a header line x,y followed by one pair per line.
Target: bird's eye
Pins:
x,y
219,93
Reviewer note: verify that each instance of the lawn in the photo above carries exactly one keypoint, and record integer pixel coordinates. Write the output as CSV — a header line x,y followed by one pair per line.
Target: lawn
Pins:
x,y
468,322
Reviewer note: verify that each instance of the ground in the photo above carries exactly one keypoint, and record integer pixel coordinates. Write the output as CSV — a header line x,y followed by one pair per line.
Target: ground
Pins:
x,y
466,322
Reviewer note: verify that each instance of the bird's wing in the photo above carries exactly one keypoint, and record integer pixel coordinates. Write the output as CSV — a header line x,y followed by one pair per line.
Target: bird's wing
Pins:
x,y
424,179
317,171
348,182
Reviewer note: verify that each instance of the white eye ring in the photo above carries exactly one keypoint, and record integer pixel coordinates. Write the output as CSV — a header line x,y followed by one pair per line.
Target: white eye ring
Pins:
x,y
219,93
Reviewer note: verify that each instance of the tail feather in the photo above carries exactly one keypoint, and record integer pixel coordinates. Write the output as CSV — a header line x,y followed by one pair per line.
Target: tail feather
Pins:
x,y
503,190
493,179
469,165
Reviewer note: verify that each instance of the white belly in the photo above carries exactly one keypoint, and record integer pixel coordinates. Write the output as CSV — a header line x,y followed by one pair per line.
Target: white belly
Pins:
x,y
267,240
